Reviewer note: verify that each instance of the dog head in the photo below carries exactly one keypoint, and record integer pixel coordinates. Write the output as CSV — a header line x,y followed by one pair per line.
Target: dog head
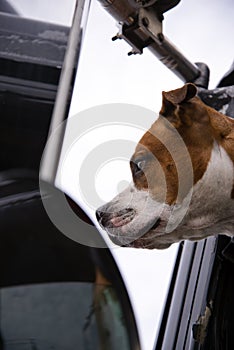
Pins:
x,y
174,171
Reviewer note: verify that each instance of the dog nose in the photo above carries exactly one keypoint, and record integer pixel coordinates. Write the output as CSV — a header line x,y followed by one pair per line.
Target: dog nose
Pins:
x,y
103,217
99,214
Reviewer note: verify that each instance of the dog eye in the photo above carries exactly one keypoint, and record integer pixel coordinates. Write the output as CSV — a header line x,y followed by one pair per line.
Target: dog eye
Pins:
x,y
140,164
137,167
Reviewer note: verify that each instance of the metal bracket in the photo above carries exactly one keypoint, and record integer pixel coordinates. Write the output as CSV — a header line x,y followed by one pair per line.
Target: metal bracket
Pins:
x,y
144,29
150,23
200,327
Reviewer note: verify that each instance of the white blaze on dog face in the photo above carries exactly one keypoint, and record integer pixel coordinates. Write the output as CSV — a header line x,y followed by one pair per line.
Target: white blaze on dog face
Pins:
x,y
172,170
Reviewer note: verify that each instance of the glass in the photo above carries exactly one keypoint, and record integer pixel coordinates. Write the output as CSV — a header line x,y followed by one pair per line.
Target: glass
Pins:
x,y
62,316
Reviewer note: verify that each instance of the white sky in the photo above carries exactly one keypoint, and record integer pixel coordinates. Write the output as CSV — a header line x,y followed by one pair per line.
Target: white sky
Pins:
x,y
203,31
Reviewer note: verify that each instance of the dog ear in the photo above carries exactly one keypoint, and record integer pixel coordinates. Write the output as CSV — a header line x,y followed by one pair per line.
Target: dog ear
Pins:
x,y
183,94
172,99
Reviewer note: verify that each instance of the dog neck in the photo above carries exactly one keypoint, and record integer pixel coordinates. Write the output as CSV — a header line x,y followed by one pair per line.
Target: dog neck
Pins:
x,y
211,197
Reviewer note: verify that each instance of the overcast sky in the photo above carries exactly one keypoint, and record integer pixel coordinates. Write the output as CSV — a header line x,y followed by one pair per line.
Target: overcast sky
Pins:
x,y
203,31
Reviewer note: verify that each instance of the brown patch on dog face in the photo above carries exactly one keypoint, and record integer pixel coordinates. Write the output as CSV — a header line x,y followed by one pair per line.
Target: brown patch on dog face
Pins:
x,y
158,167
196,131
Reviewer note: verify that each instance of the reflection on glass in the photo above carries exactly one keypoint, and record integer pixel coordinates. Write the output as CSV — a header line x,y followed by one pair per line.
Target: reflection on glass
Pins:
x,y
62,316
105,321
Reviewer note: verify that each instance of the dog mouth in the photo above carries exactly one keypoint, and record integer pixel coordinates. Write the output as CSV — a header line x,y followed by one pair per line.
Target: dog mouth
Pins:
x,y
118,227
115,220
156,224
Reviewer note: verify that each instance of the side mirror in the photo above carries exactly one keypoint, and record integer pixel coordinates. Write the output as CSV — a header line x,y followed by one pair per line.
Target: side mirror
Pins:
x,y
56,292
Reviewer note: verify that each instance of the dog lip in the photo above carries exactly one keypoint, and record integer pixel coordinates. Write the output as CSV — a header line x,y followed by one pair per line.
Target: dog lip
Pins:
x,y
116,219
146,240
123,217
156,224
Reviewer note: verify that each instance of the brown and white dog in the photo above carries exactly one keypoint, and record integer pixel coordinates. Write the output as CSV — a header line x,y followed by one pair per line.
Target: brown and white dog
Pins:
x,y
183,183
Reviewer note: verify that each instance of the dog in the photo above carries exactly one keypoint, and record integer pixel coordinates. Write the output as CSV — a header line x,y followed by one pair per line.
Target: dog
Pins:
x,y
183,183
